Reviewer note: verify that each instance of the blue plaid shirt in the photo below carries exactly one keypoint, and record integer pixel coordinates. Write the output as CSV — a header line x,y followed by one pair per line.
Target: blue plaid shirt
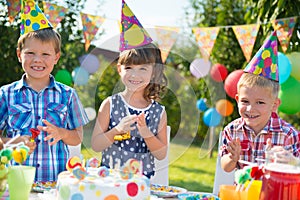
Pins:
x,y
22,108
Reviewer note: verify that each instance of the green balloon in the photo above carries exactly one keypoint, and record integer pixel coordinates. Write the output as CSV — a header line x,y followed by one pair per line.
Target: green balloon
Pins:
x,y
294,58
289,95
64,77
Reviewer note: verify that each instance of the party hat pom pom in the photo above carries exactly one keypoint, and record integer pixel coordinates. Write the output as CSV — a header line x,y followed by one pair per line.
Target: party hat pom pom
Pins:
x,y
5,155
241,176
20,154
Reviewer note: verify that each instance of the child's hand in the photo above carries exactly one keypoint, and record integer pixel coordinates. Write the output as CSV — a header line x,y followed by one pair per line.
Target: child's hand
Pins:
x,y
234,149
30,144
52,131
142,126
125,124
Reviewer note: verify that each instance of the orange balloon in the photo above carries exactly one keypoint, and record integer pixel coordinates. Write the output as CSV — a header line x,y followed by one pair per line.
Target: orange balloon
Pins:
x,y
224,107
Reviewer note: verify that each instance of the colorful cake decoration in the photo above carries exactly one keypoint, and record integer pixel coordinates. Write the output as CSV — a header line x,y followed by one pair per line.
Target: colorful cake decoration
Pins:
x,y
32,18
264,63
132,32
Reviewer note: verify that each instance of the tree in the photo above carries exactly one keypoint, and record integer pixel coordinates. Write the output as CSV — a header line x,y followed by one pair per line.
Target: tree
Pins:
x,y
72,45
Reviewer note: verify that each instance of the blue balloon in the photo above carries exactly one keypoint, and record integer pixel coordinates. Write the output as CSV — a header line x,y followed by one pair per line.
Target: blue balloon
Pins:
x,y
201,104
80,76
284,67
211,117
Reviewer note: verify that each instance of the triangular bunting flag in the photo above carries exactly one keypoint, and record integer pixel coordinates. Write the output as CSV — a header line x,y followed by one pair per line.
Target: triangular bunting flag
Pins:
x,y
246,36
284,29
90,24
14,8
206,38
167,36
264,62
54,13
132,34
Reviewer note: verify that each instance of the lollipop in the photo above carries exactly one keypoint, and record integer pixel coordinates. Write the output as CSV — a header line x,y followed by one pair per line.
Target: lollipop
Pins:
x,y
20,154
73,162
79,172
126,173
103,171
93,162
134,165
34,134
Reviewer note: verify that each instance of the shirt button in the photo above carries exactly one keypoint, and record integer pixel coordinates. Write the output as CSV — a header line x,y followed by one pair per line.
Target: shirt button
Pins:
x,y
38,165
38,141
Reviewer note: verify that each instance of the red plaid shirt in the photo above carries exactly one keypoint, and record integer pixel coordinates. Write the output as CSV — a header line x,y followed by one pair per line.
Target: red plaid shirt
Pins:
x,y
253,146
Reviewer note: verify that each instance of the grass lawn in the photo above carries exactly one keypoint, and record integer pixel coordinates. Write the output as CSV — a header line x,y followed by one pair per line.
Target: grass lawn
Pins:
x,y
190,169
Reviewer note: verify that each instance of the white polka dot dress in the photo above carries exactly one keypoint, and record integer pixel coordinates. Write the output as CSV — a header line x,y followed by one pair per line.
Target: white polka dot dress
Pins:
x,y
135,147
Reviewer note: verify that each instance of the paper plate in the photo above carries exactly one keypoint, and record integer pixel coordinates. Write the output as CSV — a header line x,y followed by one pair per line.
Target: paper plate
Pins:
x,y
197,196
166,191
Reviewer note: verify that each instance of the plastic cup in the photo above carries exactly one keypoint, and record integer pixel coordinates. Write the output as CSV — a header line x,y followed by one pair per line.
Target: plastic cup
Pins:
x,y
228,192
3,180
20,180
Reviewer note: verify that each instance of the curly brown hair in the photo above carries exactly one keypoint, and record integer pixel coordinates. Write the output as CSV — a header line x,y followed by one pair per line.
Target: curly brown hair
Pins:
x,y
147,54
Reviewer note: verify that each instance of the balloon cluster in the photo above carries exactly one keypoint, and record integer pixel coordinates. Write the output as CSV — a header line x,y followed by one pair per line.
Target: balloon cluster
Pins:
x,y
218,72
289,80
212,116
89,64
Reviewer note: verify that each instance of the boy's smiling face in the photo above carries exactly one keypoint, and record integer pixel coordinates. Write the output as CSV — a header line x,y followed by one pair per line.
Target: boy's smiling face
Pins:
x,y
38,58
256,105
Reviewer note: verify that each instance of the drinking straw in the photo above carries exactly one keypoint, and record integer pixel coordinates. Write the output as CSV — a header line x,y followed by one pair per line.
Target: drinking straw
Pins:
x,y
10,141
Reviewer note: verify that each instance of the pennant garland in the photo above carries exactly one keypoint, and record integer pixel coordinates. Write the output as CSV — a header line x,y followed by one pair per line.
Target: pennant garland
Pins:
x,y
284,29
132,34
91,24
54,13
14,8
264,63
167,36
246,36
206,38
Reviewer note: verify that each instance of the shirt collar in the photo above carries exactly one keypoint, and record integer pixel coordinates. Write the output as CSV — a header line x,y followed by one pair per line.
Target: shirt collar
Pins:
x,y
22,83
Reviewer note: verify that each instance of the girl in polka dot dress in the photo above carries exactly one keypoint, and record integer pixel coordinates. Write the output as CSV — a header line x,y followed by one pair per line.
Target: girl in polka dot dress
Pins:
x,y
134,110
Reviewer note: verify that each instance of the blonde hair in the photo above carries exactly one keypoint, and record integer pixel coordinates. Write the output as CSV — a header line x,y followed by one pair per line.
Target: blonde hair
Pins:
x,y
250,80
44,35
147,54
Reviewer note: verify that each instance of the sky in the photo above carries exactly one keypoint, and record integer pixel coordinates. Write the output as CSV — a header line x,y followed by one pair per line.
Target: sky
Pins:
x,y
150,13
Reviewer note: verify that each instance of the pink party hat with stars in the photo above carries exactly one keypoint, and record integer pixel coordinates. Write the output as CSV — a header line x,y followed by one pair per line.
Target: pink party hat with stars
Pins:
x,y
32,18
264,63
132,32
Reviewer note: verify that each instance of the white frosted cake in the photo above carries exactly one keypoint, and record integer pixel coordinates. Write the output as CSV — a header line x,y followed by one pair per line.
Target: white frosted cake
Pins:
x,y
101,183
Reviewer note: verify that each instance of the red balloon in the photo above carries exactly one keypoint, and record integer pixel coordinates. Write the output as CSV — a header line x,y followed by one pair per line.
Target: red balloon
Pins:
x,y
218,72
230,84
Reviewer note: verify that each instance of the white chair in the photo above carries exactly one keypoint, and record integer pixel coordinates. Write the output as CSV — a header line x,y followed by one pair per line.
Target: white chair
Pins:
x,y
161,175
75,150
221,177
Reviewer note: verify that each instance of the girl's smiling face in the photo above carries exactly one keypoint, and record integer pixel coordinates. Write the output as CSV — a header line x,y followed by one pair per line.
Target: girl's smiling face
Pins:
x,y
256,105
136,77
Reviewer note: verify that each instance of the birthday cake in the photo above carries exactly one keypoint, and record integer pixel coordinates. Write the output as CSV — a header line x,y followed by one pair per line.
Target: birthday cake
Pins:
x,y
102,183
